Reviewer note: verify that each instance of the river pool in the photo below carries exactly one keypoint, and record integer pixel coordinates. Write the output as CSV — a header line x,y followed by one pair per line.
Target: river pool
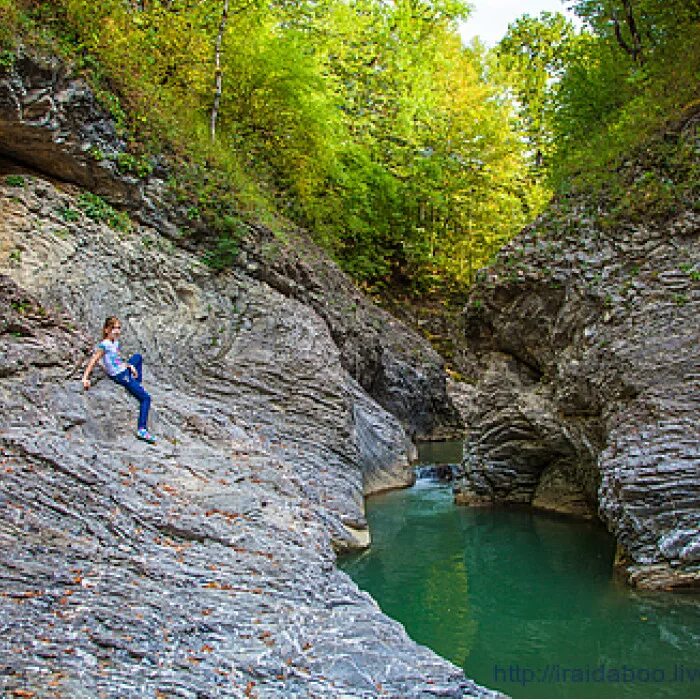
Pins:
x,y
525,602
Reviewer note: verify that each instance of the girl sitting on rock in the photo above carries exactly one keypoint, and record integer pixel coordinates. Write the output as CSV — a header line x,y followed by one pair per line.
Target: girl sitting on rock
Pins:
x,y
127,374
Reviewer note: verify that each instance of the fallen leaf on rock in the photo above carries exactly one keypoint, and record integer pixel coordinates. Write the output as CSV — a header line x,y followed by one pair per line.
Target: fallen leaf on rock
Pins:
x,y
218,586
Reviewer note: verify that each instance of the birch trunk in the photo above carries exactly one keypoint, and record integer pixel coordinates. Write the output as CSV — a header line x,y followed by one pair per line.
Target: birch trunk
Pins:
x,y
218,78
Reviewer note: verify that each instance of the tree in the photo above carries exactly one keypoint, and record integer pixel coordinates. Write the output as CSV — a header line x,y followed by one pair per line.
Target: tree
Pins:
x,y
218,83
530,60
635,68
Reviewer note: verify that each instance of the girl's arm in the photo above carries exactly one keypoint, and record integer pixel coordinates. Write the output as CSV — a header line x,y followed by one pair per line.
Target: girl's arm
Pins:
x,y
93,361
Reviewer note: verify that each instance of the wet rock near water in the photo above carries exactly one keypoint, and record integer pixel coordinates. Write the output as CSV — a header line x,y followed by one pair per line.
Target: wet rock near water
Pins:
x,y
582,348
439,472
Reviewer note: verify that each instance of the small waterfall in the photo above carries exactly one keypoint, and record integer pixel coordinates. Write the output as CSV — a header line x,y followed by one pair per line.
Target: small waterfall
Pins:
x,y
439,460
437,472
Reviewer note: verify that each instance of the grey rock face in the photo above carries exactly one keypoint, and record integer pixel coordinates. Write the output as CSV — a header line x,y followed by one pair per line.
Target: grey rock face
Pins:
x,y
583,346
204,565
395,366
51,121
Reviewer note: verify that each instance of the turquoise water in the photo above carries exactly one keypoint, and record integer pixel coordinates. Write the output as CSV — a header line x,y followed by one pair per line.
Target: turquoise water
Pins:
x,y
523,601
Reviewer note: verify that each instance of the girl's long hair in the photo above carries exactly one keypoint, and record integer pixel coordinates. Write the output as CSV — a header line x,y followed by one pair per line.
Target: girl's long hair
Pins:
x,y
110,322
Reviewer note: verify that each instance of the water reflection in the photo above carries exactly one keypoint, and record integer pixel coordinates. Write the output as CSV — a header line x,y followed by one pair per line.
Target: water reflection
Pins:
x,y
498,591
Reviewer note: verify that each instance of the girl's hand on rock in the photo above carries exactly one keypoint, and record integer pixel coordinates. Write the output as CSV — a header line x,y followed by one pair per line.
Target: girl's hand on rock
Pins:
x,y
86,384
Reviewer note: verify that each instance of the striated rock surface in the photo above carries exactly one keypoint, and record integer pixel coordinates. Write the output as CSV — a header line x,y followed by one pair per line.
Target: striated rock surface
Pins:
x,y
582,345
204,565
405,376
51,121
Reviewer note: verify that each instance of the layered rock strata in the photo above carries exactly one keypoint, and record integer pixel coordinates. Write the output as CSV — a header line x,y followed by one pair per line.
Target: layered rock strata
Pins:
x,y
204,565
582,349
50,120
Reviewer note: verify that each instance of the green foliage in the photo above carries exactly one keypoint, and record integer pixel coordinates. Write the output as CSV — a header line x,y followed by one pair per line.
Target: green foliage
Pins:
x,y
530,60
127,163
635,71
14,181
367,122
95,208
68,214
96,153
140,166
7,59
9,26
410,157
224,253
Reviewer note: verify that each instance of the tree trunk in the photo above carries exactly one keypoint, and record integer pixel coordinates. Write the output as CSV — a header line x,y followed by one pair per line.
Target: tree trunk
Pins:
x,y
634,31
218,77
634,48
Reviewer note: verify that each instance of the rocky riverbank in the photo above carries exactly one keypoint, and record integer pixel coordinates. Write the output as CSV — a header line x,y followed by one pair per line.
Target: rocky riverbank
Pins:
x,y
204,565
581,349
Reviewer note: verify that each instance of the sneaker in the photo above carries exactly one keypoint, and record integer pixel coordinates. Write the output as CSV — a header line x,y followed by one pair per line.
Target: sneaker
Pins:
x,y
143,434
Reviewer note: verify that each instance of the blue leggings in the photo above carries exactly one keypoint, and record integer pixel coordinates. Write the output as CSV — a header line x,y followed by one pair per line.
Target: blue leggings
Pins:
x,y
133,386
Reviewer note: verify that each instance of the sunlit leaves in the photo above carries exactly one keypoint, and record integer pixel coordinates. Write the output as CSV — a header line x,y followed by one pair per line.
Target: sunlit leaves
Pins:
x,y
366,121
